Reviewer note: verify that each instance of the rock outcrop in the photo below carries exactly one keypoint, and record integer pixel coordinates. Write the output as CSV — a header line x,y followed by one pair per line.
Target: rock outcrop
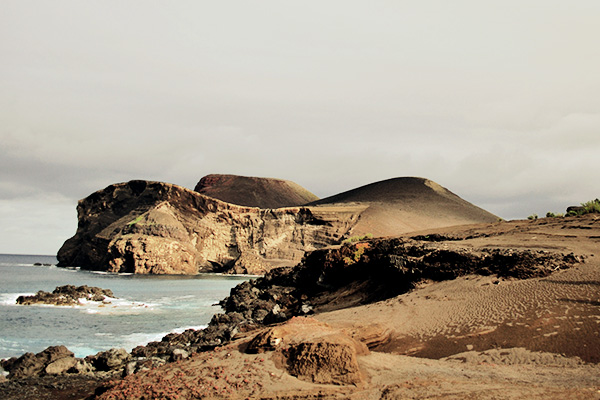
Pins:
x,y
328,279
52,361
58,360
67,295
313,351
352,275
157,228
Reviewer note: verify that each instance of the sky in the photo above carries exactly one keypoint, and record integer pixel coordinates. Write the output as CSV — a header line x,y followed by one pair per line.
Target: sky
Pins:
x,y
498,101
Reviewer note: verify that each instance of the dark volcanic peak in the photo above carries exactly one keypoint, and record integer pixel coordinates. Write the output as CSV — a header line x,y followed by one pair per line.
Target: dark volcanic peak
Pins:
x,y
254,192
405,189
407,204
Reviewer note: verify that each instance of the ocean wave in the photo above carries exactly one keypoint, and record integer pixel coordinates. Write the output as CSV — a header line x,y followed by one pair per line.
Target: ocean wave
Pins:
x,y
116,306
10,299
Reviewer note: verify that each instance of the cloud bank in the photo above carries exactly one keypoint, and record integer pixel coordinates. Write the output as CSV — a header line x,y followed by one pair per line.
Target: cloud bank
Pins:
x,y
497,101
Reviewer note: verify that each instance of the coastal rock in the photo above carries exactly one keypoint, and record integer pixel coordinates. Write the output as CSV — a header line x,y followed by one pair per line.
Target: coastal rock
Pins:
x,y
351,275
143,364
67,295
82,367
157,228
60,366
109,360
48,361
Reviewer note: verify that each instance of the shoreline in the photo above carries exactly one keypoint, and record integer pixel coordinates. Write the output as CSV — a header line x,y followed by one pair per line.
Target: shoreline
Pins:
x,y
480,305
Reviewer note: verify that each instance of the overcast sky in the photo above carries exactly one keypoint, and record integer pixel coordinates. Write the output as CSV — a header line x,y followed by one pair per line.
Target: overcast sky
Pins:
x,y
498,101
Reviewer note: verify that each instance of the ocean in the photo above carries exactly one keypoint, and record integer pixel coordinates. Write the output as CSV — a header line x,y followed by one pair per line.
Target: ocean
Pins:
x,y
147,308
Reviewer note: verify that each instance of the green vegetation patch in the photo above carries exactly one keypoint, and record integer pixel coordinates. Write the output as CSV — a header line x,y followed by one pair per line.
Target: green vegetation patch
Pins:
x,y
135,221
589,207
355,239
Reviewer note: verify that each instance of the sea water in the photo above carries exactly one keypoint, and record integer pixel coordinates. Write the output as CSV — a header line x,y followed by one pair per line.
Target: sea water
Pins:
x,y
146,308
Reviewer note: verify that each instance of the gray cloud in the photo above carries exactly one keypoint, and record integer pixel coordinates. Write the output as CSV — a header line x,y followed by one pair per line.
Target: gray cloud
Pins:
x,y
497,101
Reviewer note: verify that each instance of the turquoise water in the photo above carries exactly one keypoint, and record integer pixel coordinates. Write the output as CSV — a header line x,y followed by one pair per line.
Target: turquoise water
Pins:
x,y
147,308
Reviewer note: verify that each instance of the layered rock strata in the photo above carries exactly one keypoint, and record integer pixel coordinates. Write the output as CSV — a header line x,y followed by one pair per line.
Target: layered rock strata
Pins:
x,y
157,228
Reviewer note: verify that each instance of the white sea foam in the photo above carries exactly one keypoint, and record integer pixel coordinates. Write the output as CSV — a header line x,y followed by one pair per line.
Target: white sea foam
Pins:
x,y
117,306
10,299
108,306
83,351
111,273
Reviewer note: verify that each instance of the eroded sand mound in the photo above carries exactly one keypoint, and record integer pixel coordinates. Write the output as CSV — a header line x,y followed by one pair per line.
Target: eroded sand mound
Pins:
x,y
313,351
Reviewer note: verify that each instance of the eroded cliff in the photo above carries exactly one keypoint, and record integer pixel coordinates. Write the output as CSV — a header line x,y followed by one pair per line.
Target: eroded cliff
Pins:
x,y
158,228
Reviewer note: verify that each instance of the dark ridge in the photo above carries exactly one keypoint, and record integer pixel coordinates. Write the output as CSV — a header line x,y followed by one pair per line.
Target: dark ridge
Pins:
x,y
254,192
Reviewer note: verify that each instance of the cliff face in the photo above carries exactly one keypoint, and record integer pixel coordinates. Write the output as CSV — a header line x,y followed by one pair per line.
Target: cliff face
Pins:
x,y
158,228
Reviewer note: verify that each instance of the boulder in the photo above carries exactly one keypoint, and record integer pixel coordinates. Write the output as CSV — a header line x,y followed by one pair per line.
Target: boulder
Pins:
x,y
29,364
313,351
325,362
109,360
60,366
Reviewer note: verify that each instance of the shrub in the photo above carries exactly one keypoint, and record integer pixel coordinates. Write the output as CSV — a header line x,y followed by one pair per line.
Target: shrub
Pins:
x,y
592,206
589,207
357,238
135,221
532,217
359,250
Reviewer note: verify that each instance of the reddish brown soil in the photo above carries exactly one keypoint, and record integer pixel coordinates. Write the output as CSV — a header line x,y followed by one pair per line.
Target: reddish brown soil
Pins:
x,y
470,338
